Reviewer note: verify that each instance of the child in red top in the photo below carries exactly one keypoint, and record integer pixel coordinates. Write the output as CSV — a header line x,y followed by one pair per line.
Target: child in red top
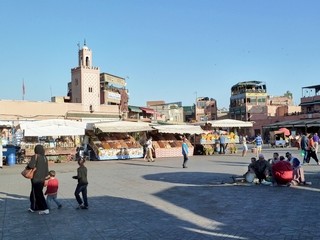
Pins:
x,y
52,185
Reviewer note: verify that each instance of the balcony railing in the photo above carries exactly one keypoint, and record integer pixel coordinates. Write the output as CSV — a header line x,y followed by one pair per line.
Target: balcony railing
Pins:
x,y
310,99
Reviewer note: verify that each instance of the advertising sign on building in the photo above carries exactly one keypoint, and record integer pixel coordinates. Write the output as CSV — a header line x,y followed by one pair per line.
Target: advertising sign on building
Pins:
x,y
114,96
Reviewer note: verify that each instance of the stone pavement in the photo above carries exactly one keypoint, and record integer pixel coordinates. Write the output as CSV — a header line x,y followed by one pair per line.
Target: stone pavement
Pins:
x,y
134,199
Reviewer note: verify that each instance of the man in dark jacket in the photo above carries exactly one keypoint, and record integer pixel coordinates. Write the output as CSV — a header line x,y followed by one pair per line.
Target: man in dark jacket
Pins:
x,y
82,185
262,168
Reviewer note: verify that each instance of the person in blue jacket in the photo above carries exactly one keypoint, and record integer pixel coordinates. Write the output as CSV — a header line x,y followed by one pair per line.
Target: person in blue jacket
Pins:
x,y
185,152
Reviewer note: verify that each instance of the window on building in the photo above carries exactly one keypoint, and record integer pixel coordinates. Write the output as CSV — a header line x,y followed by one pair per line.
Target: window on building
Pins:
x,y
201,104
76,82
90,89
87,62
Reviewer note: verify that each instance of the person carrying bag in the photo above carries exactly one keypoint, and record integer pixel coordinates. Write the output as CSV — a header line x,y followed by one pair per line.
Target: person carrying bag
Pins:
x,y
40,162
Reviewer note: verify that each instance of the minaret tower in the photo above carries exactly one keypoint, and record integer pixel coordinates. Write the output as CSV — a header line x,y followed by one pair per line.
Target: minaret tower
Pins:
x,y
85,81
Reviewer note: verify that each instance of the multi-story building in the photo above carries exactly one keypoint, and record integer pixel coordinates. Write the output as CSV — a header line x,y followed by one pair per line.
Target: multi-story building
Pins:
x,y
113,92
310,102
169,112
245,95
205,109
92,89
249,101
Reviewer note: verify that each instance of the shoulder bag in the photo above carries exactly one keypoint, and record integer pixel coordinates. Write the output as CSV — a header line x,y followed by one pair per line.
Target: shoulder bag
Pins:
x,y
29,172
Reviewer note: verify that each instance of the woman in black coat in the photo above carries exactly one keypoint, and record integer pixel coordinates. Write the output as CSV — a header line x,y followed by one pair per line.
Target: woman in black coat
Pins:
x,y
40,162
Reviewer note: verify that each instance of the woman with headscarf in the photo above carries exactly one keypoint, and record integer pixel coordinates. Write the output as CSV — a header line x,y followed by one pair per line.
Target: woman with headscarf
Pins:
x,y
40,162
298,174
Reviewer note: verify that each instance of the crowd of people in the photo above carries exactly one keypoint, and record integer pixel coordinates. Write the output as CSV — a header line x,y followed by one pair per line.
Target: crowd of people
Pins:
x,y
277,171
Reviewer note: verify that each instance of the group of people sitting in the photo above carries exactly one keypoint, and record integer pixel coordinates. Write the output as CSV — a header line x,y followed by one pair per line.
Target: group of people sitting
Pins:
x,y
279,170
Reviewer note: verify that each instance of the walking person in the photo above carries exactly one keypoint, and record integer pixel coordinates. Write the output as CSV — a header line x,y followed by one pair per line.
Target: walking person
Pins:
x,y
52,185
82,185
244,146
222,144
316,142
40,162
311,150
150,150
304,142
185,152
258,141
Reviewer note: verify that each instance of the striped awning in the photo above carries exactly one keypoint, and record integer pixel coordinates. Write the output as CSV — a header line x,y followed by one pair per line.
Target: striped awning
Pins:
x,y
135,109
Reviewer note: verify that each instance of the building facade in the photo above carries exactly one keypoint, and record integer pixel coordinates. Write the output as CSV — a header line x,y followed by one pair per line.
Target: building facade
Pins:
x,y
245,95
205,109
168,112
85,81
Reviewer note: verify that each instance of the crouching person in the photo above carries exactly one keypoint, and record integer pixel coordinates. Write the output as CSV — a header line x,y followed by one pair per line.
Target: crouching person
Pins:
x,y
298,174
262,169
282,172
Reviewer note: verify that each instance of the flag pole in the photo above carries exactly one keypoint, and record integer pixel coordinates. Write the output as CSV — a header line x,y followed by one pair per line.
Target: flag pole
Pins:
x,y
23,89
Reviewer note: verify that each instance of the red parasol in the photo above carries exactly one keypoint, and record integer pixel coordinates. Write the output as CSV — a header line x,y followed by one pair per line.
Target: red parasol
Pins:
x,y
286,131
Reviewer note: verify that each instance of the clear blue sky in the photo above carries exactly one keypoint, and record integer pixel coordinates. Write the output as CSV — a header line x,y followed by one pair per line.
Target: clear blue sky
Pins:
x,y
171,50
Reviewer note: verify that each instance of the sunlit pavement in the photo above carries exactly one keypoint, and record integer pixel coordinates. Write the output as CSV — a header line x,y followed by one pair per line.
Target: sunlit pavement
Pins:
x,y
135,199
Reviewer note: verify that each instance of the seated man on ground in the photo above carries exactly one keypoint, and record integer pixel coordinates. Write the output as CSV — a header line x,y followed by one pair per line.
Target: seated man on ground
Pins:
x,y
274,159
250,174
282,172
262,168
289,157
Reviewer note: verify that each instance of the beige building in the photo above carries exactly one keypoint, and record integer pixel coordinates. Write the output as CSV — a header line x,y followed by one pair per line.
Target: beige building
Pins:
x,y
29,111
206,109
168,112
85,81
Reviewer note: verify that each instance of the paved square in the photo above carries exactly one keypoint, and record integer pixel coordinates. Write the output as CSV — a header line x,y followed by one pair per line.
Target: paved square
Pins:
x,y
135,199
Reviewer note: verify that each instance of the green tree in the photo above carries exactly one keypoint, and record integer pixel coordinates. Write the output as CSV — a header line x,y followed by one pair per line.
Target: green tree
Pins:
x,y
288,94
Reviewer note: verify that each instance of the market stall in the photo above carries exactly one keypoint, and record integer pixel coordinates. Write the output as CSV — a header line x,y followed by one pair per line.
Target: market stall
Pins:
x,y
209,142
58,136
117,140
167,141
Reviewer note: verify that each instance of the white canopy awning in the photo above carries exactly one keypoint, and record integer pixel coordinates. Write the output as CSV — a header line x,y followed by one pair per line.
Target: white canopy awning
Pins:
x,y
122,126
180,129
6,123
229,123
53,127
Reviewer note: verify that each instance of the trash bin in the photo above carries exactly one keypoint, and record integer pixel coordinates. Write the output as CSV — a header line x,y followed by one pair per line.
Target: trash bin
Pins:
x,y
11,159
